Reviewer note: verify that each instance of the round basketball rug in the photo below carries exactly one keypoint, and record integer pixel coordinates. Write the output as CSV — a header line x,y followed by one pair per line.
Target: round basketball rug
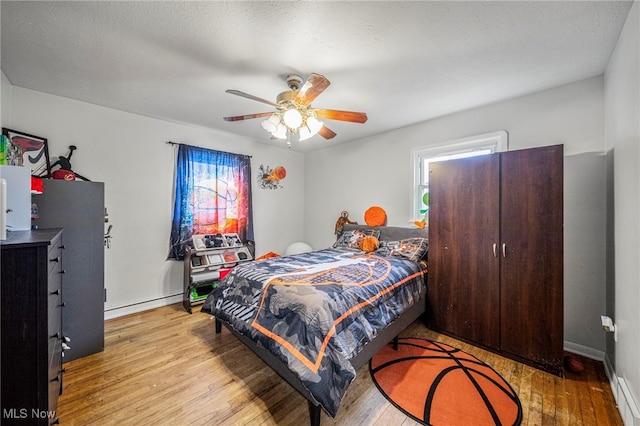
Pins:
x,y
438,385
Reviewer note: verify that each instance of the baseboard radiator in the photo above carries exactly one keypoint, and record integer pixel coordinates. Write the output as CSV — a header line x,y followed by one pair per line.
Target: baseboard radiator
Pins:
x,y
134,308
627,406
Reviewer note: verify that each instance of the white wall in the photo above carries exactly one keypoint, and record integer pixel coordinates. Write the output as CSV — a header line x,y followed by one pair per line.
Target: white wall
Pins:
x,y
130,155
378,171
6,90
622,135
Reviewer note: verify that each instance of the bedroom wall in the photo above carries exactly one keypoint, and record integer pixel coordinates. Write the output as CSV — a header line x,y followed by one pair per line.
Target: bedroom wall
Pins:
x,y
622,136
129,154
5,98
378,171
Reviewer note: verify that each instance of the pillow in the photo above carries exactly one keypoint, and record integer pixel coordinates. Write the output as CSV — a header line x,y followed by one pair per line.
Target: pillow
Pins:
x,y
392,233
411,248
369,244
375,216
352,239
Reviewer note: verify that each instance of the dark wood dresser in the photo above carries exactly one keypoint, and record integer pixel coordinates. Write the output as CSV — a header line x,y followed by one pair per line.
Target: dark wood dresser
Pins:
x,y
32,340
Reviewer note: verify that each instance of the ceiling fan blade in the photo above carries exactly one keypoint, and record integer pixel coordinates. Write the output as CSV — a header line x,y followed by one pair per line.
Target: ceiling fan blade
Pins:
x,y
326,132
311,89
248,96
248,116
333,114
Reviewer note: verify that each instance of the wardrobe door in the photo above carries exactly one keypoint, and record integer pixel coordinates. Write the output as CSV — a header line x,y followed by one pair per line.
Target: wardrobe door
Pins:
x,y
463,268
531,313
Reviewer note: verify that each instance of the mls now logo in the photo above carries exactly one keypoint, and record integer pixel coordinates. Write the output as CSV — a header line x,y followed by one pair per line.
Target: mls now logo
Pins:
x,y
23,413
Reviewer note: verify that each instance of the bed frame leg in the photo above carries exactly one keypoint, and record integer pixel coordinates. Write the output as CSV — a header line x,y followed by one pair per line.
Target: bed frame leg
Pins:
x,y
218,326
395,343
314,414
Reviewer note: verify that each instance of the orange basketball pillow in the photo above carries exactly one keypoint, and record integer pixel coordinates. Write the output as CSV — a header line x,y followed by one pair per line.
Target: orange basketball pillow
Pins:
x,y
375,216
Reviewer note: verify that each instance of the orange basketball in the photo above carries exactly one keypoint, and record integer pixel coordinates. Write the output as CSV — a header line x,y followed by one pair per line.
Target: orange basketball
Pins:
x,y
375,216
277,174
573,364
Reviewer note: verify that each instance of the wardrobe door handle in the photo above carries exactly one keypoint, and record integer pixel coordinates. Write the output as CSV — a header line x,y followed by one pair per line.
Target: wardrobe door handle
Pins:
x,y
504,249
495,246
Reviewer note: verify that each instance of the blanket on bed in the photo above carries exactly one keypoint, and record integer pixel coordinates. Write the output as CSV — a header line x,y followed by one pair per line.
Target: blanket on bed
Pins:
x,y
316,310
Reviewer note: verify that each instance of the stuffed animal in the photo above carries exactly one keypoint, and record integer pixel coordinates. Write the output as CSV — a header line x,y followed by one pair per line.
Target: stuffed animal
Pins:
x,y
369,244
342,220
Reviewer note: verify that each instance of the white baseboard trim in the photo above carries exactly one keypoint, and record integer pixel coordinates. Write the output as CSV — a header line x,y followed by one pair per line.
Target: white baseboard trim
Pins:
x,y
142,306
627,406
584,351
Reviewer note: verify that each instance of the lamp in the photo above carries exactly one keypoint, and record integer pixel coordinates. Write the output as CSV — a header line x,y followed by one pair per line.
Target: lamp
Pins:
x,y
271,124
291,119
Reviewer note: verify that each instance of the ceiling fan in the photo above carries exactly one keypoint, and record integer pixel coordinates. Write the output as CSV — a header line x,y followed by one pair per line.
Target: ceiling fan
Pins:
x,y
294,113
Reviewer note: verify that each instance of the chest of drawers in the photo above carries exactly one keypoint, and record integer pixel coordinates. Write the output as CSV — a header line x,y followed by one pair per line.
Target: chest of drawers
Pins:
x,y
32,302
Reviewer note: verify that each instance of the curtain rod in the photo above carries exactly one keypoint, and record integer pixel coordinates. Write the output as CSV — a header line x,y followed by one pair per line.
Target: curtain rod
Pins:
x,y
193,146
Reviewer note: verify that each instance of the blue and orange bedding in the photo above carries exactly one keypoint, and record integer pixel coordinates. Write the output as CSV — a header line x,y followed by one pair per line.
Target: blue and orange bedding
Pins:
x,y
315,311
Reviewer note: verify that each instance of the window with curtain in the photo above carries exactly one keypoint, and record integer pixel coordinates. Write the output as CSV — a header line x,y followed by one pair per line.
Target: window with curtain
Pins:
x,y
212,196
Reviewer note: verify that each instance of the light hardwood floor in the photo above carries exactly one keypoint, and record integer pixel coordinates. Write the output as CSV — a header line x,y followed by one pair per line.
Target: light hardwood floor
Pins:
x,y
166,367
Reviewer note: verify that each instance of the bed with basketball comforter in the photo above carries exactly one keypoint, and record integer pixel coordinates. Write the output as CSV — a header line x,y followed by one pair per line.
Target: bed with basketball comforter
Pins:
x,y
316,317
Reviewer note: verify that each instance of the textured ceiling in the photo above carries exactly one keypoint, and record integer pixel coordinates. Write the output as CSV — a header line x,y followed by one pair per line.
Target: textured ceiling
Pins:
x,y
400,62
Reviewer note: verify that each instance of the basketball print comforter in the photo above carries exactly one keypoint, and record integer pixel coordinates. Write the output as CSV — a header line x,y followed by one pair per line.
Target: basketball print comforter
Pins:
x,y
315,311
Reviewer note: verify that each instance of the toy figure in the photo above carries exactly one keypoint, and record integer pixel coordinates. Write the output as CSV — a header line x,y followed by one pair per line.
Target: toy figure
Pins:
x,y
344,218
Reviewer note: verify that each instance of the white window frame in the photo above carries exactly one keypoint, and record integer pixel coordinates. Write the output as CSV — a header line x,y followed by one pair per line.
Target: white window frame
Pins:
x,y
494,141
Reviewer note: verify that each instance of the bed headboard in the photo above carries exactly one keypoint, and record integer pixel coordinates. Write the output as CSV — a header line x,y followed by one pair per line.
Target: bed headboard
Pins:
x,y
392,233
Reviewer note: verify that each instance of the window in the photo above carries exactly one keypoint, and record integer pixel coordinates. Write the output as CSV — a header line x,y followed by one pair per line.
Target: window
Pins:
x,y
460,148
212,196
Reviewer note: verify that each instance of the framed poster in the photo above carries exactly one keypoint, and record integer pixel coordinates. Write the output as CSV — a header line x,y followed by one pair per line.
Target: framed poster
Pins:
x,y
35,152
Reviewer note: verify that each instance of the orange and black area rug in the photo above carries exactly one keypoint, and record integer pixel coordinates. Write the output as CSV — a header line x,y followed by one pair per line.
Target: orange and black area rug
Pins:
x,y
439,385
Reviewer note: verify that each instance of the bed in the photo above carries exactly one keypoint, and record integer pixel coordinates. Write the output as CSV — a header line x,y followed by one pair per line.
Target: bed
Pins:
x,y
316,317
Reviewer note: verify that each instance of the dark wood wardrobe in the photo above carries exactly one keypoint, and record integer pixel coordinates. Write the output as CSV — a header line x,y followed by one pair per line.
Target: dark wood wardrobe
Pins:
x,y
496,253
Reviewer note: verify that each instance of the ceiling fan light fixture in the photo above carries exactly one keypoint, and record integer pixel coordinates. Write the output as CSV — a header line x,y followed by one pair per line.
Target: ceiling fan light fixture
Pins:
x,y
292,118
314,125
304,133
294,113
271,123
280,132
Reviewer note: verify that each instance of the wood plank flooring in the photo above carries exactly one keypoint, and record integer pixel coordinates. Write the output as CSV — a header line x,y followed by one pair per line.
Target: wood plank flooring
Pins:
x,y
166,367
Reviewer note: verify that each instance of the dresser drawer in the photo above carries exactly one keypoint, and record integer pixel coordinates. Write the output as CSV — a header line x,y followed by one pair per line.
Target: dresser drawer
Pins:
x,y
54,256
55,329
55,375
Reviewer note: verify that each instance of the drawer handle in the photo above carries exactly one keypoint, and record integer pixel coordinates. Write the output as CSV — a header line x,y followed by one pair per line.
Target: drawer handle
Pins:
x,y
63,271
56,421
62,247
62,305
56,379
56,292
55,259
58,335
